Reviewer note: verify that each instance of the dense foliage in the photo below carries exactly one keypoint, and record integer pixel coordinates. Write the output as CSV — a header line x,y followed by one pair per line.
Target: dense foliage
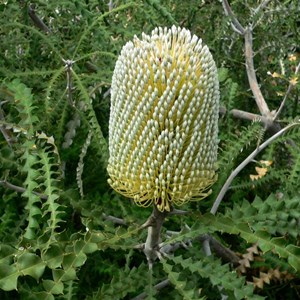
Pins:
x,y
64,234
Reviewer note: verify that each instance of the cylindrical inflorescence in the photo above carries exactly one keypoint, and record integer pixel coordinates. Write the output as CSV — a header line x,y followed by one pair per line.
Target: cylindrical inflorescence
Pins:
x,y
163,127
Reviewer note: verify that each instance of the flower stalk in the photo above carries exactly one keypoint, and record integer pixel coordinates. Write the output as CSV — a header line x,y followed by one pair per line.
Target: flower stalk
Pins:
x,y
151,247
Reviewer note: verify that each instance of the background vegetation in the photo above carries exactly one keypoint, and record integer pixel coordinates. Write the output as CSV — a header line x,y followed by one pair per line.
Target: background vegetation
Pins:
x,y
64,234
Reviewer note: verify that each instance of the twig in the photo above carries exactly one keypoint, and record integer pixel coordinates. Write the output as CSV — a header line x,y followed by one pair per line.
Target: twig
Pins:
x,y
113,219
206,247
240,114
36,20
68,66
8,136
255,14
207,251
290,88
178,212
235,24
273,127
244,163
20,189
158,287
260,7
221,251
110,5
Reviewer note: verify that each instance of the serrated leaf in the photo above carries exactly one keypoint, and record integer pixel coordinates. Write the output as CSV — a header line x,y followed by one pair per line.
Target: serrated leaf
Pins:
x,y
294,257
53,287
39,296
85,247
262,237
64,275
8,277
30,264
73,260
6,254
218,274
179,284
150,290
196,230
53,256
124,281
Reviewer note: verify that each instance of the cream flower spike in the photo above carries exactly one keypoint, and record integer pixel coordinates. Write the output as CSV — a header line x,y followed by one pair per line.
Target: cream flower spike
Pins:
x,y
163,127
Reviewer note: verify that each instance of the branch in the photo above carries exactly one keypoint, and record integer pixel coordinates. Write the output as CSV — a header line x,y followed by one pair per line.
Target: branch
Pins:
x,y
221,251
240,114
154,223
235,24
7,134
158,287
36,20
260,7
69,71
110,5
113,219
260,101
256,15
273,127
247,33
206,247
244,115
175,211
244,163
20,189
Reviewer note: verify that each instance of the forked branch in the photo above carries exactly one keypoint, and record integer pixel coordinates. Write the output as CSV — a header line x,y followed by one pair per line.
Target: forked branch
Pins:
x,y
248,38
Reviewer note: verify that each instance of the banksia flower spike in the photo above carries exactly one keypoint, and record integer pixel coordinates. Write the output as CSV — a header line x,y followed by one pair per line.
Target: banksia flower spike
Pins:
x,y
163,123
